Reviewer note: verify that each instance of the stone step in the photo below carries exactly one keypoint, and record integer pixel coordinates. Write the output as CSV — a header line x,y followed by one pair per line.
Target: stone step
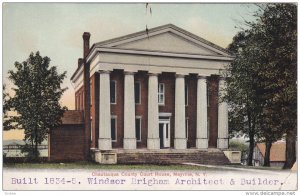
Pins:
x,y
203,157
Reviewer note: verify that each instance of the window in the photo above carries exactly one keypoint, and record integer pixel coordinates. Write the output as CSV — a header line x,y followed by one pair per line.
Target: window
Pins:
x,y
186,94
76,102
91,93
186,127
113,122
137,92
138,128
79,101
113,93
161,94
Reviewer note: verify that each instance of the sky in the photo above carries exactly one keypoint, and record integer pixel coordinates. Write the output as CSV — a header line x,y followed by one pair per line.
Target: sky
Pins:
x,y
55,29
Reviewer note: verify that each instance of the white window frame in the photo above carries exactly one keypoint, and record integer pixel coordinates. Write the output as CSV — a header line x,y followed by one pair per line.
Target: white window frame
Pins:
x,y
116,129
115,82
140,118
140,94
161,93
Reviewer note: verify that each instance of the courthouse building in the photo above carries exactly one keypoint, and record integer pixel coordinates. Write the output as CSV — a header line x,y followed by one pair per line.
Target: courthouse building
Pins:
x,y
150,91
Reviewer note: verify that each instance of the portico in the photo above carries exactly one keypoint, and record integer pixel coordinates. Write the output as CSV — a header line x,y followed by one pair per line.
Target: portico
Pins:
x,y
153,91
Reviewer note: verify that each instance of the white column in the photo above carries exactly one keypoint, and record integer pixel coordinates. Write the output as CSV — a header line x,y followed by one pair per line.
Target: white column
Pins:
x,y
153,141
222,118
180,136
201,141
104,142
129,112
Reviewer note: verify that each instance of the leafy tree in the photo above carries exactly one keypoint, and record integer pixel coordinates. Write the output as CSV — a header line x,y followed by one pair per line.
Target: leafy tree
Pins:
x,y
36,101
278,25
7,120
266,67
242,97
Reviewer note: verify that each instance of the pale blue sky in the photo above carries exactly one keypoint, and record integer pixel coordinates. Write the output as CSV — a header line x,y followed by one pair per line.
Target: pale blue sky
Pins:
x,y
55,29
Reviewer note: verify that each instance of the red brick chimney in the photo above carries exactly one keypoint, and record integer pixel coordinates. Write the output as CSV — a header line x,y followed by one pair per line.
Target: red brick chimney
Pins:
x,y
86,86
86,43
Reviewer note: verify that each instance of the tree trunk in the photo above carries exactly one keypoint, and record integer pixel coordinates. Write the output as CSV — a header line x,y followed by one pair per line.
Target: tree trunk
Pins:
x,y
251,148
267,153
32,146
35,147
290,150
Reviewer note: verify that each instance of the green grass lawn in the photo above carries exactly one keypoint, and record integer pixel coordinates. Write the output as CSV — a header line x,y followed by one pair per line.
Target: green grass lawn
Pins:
x,y
91,165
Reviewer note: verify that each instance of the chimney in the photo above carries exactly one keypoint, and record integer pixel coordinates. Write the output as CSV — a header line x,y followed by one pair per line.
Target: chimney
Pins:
x,y
86,87
80,61
86,43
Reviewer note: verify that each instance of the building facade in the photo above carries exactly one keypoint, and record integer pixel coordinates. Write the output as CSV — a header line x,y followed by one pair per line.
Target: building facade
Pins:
x,y
277,154
152,90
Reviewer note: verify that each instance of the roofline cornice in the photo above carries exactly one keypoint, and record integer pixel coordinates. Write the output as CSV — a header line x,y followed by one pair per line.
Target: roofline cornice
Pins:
x,y
96,50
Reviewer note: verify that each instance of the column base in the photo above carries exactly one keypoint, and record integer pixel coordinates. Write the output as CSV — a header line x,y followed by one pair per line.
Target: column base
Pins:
x,y
104,144
153,143
180,143
129,143
223,143
202,143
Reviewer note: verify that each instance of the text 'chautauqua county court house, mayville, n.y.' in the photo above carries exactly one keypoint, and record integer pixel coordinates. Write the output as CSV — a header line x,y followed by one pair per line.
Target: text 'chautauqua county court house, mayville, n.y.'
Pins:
x,y
147,97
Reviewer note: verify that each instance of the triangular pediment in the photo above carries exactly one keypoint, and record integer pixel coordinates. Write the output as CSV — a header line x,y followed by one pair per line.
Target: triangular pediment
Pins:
x,y
167,38
167,42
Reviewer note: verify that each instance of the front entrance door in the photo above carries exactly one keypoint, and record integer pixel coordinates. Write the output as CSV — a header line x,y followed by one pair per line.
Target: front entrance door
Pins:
x,y
164,133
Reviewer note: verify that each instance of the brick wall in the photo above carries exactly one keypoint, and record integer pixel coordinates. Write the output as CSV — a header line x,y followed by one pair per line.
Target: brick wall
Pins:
x,y
118,108
213,85
67,143
142,109
191,110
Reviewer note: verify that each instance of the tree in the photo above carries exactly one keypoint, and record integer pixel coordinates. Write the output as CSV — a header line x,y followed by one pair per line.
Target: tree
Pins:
x,y
268,50
7,120
279,22
242,97
276,31
36,101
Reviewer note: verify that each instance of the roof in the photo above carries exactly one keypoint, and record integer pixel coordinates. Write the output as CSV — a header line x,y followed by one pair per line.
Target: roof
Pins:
x,y
277,151
159,28
72,117
112,42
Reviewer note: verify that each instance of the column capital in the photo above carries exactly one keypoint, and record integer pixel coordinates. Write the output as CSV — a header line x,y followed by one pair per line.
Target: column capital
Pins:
x,y
129,72
222,78
179,75
153,74
104,71
202,77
